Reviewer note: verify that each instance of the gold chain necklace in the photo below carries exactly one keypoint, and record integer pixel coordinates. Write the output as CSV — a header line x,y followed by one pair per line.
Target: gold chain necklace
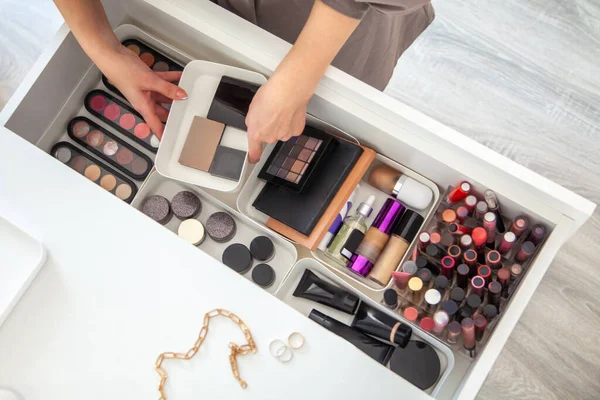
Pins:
x,y
249,347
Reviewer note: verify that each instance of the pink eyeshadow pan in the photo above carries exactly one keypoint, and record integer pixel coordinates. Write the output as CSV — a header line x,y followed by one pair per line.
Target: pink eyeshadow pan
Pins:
x,y
98,103
112,112
142,130
304,154
127,121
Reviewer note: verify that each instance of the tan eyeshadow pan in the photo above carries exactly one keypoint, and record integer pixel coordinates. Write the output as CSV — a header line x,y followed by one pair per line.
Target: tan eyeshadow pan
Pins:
x,y
201,143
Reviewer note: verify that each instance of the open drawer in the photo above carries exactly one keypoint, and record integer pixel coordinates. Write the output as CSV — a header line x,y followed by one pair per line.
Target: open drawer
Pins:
x,y
53,92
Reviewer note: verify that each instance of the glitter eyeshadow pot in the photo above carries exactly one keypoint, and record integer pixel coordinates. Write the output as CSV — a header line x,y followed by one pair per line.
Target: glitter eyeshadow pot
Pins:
x,y
186,205
292,163
221,227
158,208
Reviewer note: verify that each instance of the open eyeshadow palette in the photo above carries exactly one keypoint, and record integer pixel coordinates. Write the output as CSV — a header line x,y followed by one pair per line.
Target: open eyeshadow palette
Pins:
x,y
109,147
292,163
226,229
154,59
95,171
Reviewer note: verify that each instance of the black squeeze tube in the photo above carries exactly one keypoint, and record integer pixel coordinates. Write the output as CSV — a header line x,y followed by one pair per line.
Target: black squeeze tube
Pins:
x,y
313,288
381,325
379,351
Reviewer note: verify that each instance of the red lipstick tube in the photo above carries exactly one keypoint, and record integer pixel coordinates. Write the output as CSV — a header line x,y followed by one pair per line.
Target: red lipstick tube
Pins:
x,y
459,193
508,240
479,239
525,252
477,285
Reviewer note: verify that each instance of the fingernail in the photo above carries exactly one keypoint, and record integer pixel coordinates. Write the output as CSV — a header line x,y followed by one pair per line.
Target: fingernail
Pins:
x,y
181,94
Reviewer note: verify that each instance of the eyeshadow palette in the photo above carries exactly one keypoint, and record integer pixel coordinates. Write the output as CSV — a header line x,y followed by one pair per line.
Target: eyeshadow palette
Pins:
x,y
157,61
291,163
122,117
231,102
109,148
95,171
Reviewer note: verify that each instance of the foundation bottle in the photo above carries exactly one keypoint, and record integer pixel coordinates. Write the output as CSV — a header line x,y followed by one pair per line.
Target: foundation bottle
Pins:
x,y
403,233
376,238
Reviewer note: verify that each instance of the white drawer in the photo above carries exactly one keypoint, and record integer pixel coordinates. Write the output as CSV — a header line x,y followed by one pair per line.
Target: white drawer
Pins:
x,y
205,31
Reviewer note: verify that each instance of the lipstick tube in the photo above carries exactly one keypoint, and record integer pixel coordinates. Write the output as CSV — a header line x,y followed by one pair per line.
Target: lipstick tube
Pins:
x,y
490,312
457,295
423,240
464,312
447,267
470,203
495,294
432,299
479,239
526,251
468,332
425,275
427,324
485,272
411,314
537,235
489,224
440,321
470,258
376,238
434,237
462,276
455,252
462,213
449,216
458,193
466,241
450,308
480,209
477,285
504,280
390,299
441,283
494,259
454,330
515,273
519,224
494,206
401,279
415,286
459,229
508,241
480,323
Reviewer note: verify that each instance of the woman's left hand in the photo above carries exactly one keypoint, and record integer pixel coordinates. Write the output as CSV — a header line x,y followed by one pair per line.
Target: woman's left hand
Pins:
x,y
277,112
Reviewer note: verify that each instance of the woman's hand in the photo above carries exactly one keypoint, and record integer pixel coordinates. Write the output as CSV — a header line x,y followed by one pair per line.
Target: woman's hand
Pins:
x,y
277,112
145,89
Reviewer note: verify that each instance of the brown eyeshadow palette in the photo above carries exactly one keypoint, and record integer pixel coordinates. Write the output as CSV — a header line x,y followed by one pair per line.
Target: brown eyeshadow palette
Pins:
x,y
109,148
122,117
155,60
292,163
95,171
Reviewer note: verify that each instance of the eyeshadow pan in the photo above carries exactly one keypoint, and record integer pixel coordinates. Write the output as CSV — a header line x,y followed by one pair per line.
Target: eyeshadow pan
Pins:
x,y
142,130
77,163
291,177
92,172
161,66
124,156
135,49
98,103
112,112
154,142
228,163
63,155
108,182
273,170
201,144
110,148
123,191
287,164
302,140
147,58
139,166
127,121
297,167
295,151
311,143
81,128
282,173
95,138
304,155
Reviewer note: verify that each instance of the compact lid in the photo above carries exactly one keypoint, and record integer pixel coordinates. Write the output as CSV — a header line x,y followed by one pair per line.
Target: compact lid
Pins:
x,y
408,225
412,193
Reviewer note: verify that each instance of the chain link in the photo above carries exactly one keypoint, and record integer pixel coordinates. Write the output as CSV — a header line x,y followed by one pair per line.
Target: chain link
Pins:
x,y
249,347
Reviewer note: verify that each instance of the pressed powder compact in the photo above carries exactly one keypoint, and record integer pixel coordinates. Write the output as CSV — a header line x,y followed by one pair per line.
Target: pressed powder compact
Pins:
x,y
292,163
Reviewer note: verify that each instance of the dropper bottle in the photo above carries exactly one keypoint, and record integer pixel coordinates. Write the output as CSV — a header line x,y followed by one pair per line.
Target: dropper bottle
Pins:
x,y
351,233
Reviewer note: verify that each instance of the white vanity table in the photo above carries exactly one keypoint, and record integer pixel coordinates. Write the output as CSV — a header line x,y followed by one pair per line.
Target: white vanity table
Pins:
x,y
118,289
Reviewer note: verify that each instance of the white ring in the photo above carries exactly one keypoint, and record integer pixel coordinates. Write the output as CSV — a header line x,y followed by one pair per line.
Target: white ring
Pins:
x,y
277,348
296,340
287,355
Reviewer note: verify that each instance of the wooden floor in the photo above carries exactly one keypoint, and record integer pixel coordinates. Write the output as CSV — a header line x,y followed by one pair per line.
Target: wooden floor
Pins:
x,y
521,77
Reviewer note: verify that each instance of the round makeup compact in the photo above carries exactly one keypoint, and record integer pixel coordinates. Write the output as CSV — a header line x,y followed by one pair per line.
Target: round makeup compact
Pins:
x,y
221,227
237,257
262,249
192,231
157,208
186,205
418,363
263,275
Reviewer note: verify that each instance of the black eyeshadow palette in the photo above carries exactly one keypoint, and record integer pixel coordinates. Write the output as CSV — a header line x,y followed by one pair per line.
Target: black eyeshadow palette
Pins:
x,y
292,163
157,61
95,171
231,102
109,148
121,117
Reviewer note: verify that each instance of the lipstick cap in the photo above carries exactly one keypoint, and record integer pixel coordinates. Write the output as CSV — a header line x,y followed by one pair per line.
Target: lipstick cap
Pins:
x,y
388,215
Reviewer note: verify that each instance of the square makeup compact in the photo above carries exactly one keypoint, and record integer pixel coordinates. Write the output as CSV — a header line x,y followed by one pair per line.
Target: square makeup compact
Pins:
x,y
292,163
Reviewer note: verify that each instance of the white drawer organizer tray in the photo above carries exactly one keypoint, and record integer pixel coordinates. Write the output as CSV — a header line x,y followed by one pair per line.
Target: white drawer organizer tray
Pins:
x,y
53,93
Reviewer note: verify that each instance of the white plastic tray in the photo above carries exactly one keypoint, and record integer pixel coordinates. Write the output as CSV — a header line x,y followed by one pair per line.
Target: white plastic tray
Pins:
x,y
304,306
21,258
200,79
285,253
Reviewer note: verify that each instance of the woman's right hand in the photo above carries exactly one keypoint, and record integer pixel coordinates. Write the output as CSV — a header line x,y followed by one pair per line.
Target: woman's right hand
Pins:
x,y
145,89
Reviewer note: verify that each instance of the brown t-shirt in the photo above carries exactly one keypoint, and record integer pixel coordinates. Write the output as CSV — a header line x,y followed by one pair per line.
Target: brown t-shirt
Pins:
x,y
386,30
